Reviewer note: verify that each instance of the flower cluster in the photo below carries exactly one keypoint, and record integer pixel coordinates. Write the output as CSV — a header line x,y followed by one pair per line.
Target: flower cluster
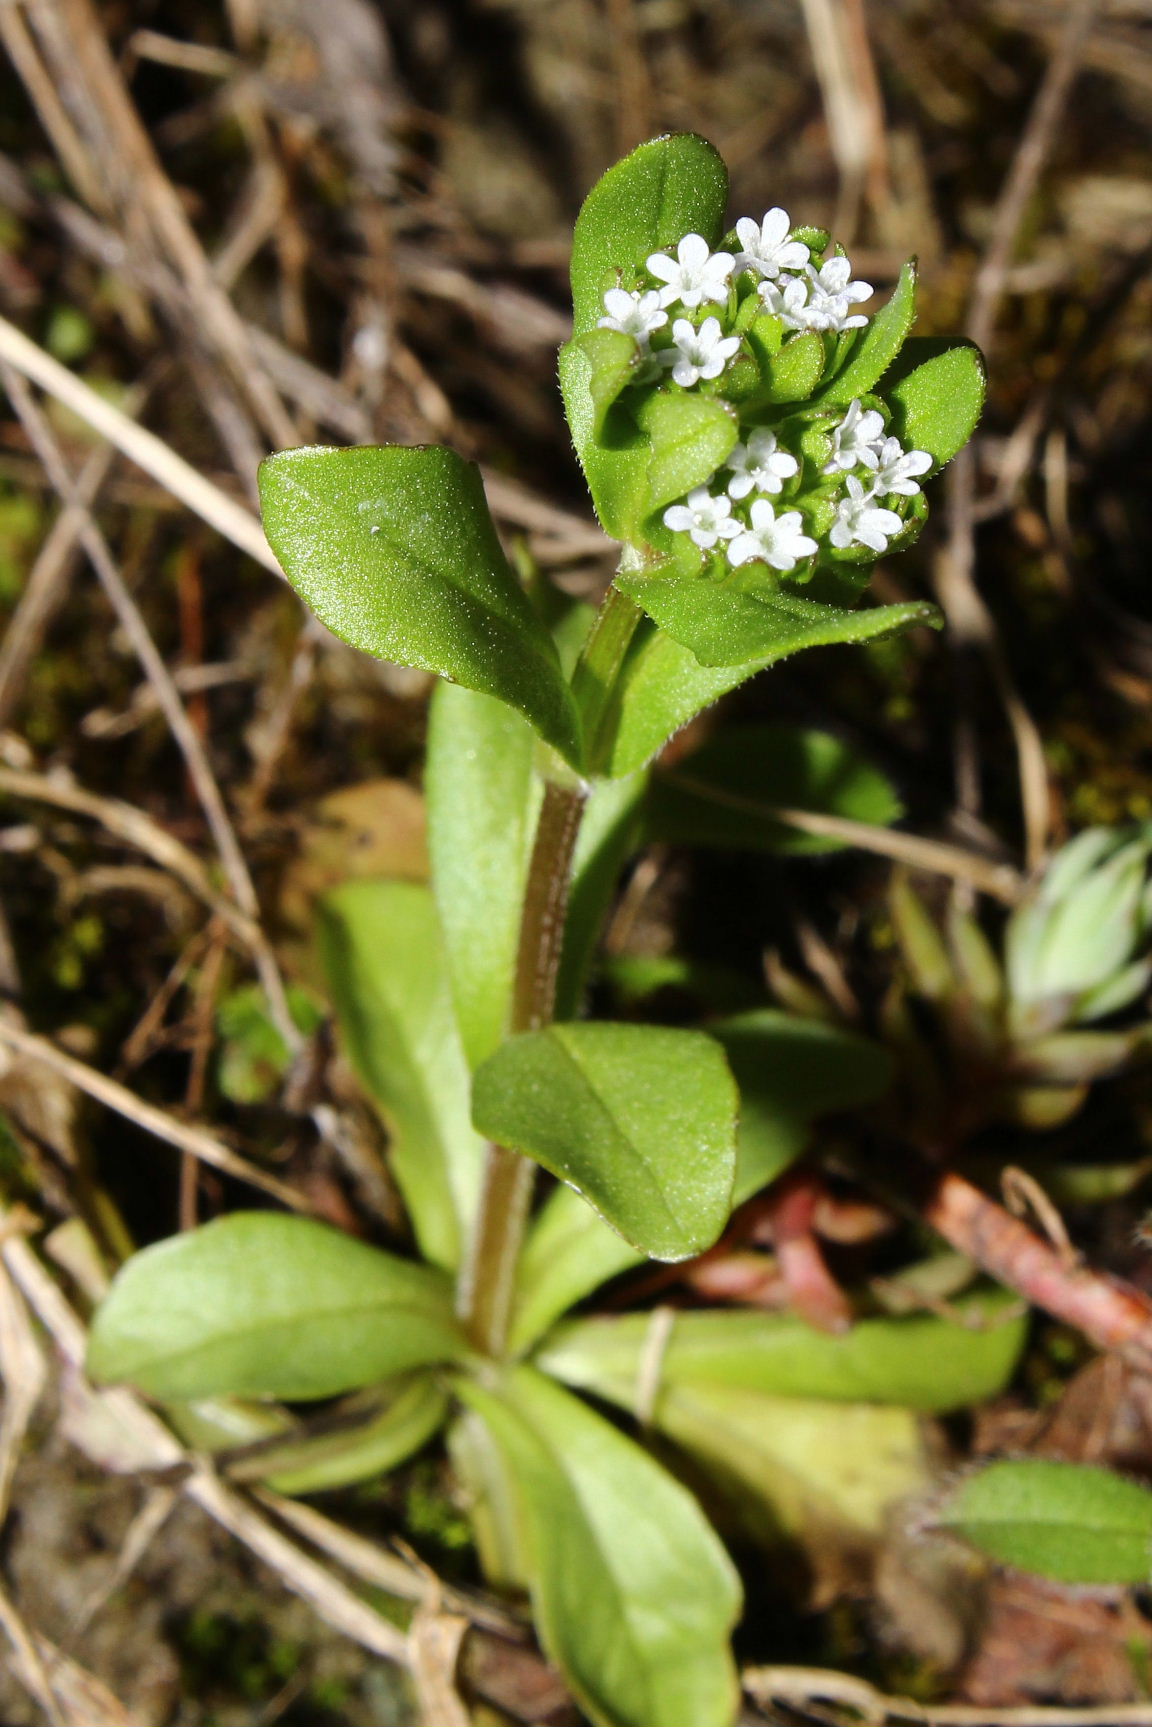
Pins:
x,y
690,320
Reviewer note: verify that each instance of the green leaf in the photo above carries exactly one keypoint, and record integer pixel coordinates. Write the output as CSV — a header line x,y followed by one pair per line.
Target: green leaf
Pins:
x,y
613,358
614,461
384,957
569,1251
792,374
633,1594
261,1304
253,1055
608,835
723,793
937,395
875,346
726,626
663,687
483,802
667,188
639,1119
395,551
1067,1521
789,1072
824,1475
691,436
917,1361
391,1425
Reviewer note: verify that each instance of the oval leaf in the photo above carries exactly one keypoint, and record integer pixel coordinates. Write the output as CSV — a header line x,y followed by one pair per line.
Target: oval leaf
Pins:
x,y
261,1304
938,397
639,1119
384,958
1067,1521
633,1593
395,551
667,188
483,801
691,436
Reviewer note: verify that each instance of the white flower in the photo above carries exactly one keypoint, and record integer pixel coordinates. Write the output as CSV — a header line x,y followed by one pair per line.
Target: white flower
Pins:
x,y
633,314
768,248
779,540
819,299
703,518
897,467
855,440
758,466
694,275
698,353
860,523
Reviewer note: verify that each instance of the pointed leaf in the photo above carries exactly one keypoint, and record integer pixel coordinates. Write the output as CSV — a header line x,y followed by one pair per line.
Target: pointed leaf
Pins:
x,y
723,793
1066,1521
384,956
260,1304
937,395
614,460
792,374
875,346
639,1119
918,1361
633,1593
395,551
725,626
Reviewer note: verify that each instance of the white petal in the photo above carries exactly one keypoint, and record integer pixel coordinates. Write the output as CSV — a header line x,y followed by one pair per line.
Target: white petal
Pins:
x,y
693,250
685,374
744,549
774,227
699,497
840,535
763,515
748,233
684,518
660,264
740,485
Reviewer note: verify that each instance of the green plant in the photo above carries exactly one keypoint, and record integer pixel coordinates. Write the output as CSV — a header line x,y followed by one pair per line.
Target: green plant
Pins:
x,y
754,442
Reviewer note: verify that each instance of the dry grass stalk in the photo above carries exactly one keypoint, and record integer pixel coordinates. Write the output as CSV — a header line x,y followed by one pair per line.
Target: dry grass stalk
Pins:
x,y
187,738
193,1140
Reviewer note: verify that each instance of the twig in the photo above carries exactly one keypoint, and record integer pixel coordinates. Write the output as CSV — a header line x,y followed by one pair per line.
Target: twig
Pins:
x,y
806,1684
190,745
29,1667
140,446
152,1120
999,880
382,1570
970,621
331,1599
134,828
1111,1313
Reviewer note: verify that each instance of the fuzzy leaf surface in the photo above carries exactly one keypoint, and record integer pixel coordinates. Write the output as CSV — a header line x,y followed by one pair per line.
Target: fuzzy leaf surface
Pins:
x,y
384,956
483,801
726,626
395,551
937,395
875,346
633,1593
639,1119
664,686
1068,1521
260,1304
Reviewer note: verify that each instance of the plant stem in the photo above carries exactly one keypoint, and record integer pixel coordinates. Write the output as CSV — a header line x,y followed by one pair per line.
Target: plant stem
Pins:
x,y
597,673
489,1278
